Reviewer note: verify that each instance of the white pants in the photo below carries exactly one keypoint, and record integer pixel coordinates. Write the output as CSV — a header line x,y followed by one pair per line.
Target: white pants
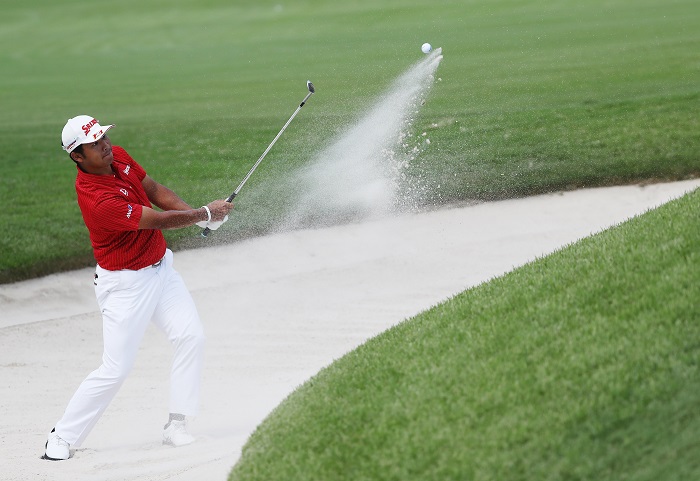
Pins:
x,y
129,301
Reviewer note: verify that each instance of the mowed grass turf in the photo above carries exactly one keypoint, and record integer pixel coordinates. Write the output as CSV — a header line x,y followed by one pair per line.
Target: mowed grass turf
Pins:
x,y
579,366
532,96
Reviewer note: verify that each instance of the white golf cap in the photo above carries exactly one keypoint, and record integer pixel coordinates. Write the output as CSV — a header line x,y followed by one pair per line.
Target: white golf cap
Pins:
x,y
82,129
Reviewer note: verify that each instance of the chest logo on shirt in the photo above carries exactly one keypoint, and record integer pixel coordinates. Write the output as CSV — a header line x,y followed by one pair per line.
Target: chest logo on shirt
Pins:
x,y
128,211
126,170
124,191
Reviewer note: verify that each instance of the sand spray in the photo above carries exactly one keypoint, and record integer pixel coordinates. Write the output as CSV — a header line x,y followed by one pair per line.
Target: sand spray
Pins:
x,y
361,174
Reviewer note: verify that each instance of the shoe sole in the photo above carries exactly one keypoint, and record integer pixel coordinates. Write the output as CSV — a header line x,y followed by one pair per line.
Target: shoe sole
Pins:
x,y
166,443
52,459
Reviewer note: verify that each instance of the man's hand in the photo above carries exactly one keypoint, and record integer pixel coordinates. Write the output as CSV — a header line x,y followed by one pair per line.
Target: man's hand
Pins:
x,y
218,211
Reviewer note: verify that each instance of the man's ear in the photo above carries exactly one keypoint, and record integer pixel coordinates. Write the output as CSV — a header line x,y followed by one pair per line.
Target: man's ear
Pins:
x,y
76,156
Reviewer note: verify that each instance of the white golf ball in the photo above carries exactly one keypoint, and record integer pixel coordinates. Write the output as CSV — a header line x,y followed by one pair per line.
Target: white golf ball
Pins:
x,y
426,48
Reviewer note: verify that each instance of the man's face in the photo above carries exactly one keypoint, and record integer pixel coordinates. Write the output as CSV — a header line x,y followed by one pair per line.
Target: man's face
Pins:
x,y
96,157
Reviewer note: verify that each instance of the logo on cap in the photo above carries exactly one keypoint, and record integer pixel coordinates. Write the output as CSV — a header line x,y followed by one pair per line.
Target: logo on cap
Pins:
x,y
89,125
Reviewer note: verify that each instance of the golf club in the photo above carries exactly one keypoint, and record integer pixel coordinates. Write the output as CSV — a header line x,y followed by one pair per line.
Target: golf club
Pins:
x,y
230,198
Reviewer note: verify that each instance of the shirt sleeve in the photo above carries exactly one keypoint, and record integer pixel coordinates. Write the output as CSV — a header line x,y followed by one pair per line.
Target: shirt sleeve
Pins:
x,y
117,214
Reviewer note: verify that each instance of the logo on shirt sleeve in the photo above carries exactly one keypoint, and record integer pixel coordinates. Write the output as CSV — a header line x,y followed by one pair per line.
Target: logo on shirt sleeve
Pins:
x,y
128,211
124,191
127,169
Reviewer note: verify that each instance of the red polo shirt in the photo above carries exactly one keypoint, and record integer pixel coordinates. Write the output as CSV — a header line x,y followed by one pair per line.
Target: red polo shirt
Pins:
x,y
112,207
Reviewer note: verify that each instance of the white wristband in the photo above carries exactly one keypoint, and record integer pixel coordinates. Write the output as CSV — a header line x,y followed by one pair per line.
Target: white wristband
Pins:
x,y
208,212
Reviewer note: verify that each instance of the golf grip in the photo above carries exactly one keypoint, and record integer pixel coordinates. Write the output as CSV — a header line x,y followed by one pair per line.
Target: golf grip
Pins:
x,y
207,230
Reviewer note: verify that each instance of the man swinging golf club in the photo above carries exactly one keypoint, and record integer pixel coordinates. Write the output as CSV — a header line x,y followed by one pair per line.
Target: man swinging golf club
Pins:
x,y
135,282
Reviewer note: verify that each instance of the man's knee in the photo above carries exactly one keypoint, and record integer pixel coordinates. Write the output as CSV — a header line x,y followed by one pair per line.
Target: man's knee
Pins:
x,y
114,372
191,341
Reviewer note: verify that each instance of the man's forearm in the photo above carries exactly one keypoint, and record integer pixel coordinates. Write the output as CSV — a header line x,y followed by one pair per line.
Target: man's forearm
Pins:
x,y
162,197
171,219
166,199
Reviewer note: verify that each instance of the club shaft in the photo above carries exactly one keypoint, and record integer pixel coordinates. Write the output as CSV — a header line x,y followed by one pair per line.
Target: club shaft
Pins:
x,y
230,198
279,134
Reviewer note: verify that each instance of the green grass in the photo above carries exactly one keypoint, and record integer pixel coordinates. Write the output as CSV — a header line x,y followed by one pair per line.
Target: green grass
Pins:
x,y
534,96
583,365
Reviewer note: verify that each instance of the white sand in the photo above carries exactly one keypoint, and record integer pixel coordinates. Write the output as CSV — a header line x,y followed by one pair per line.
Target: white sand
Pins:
x,y
276,310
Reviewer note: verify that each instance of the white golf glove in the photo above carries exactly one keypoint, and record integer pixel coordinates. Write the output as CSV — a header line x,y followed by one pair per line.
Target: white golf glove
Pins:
x,y
213,225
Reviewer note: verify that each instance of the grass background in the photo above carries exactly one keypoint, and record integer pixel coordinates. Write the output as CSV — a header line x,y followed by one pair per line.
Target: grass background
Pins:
x,y
535,96
583,365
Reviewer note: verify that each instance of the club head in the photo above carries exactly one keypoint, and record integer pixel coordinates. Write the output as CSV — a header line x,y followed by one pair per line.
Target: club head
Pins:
x,y
310,86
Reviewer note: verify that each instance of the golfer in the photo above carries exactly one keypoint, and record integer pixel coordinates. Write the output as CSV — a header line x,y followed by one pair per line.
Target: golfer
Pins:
x,y
135,282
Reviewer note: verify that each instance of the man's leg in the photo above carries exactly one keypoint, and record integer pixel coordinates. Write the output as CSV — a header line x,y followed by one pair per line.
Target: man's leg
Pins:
x,y
127,300
177,316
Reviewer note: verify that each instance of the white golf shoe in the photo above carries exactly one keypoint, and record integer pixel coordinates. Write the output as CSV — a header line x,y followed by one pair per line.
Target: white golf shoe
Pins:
x,y
56,448
175,434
